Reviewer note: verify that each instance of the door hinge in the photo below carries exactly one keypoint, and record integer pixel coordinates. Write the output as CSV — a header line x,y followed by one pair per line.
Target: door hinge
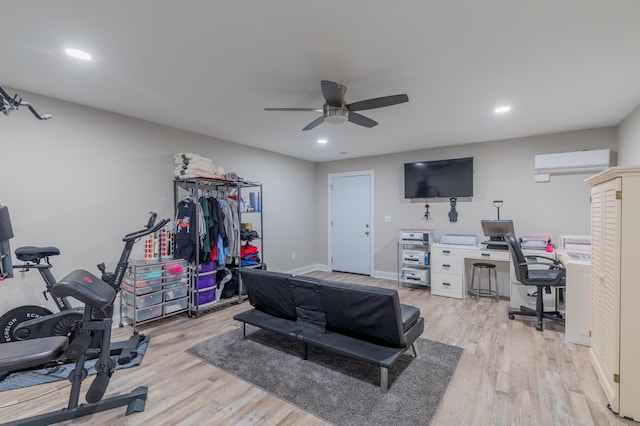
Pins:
x,y
618,195
589,333
616,378
590,199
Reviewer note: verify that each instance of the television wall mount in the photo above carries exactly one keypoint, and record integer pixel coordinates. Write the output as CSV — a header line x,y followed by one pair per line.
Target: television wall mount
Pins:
x,y
453,214
13,103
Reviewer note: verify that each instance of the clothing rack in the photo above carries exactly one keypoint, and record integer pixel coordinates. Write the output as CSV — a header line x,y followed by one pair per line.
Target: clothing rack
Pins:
x,y
219,189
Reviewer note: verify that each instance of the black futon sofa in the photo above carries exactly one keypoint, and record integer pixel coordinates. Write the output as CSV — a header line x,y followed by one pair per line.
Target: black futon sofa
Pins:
x,y
363,322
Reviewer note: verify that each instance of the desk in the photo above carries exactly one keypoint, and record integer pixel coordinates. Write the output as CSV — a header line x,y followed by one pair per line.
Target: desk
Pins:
x,y
449,273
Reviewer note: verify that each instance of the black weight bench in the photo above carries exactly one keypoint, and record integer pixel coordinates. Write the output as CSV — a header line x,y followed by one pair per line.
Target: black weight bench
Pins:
x,y
96,295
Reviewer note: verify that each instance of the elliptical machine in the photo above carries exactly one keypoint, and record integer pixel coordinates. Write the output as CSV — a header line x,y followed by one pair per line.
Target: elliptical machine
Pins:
x,y
95,325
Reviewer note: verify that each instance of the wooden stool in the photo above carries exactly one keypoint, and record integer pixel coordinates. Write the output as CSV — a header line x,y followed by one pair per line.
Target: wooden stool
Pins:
x,y
475,284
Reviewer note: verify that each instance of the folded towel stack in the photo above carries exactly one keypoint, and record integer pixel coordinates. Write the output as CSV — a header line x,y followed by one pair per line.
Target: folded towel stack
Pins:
x,y
190,165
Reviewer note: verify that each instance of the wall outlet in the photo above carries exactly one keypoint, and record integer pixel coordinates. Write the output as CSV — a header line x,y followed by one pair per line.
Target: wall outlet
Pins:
x,y
293,255
387,218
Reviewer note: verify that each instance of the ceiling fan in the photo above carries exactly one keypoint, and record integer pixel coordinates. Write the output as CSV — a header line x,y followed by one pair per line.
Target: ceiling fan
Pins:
x,y
336,110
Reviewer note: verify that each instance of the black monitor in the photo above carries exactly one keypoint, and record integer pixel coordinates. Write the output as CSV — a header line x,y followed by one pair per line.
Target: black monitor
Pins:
x,y
496,230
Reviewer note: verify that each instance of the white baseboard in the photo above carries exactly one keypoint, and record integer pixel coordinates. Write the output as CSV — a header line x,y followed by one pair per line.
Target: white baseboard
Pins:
x,y
386,275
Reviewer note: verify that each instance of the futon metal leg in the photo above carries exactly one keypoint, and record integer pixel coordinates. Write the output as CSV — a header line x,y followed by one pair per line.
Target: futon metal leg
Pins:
x,y
415,350
384,379
305,350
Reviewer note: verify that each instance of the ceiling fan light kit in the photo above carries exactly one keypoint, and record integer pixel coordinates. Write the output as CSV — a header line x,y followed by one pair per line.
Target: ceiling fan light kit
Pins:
x,y
336,110
335,115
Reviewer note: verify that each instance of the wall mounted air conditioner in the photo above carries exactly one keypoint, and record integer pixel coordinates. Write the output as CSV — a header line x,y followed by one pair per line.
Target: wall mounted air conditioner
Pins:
x,y
594,160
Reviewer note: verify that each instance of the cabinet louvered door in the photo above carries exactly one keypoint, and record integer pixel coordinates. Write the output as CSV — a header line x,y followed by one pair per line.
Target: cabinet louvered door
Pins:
x,y
615,269
605,286
596,274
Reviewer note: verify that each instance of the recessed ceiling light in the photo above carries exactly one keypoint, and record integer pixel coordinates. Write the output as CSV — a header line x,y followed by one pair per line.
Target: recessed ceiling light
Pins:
x,y
502,109
322,141
78,54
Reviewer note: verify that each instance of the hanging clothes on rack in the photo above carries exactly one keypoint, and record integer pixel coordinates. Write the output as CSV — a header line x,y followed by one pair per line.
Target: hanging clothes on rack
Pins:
x,y
231,226
218,236
188,232
205,253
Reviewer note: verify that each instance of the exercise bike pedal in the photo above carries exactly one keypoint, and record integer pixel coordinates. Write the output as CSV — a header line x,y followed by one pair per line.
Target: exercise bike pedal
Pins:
x,y
98,388
78,346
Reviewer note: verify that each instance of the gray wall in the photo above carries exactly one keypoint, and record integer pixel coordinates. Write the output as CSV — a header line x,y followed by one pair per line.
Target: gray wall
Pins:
x,y
629,139
503,170
85,178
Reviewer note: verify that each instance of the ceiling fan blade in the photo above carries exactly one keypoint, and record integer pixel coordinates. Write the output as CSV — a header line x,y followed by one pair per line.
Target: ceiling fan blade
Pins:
x,y
361,120
332,93
294,109
378,102
314,123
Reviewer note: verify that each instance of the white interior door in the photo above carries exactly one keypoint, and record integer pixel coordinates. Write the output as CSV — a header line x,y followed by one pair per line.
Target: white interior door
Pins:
x,y
350,221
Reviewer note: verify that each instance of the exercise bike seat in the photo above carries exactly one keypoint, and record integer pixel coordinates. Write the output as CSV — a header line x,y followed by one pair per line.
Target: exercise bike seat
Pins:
x,y
85,287
31,253
21,354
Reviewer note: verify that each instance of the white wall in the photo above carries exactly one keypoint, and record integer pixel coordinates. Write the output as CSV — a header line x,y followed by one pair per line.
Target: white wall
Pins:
x,y
85,178
503,171
629,139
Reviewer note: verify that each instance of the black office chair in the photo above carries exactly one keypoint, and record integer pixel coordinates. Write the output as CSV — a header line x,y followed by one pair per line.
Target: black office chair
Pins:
x,y
543,278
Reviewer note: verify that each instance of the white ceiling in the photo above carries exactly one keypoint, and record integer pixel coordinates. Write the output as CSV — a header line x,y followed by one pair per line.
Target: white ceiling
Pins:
x,y
211,67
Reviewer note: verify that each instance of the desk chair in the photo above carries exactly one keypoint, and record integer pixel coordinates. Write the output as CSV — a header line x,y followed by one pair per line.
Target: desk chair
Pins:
x,y
552,276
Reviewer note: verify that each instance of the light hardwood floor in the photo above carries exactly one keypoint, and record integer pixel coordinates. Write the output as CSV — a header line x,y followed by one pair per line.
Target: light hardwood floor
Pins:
x,y
509,373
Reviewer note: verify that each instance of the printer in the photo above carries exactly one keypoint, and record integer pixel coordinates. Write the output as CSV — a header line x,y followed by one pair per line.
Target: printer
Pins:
x,y
577,247
415,237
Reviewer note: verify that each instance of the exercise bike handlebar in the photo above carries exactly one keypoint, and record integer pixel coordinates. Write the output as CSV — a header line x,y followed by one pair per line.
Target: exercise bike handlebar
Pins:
x,y
149,229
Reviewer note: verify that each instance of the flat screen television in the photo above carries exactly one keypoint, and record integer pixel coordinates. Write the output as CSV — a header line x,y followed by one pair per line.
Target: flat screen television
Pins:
x,y
439,178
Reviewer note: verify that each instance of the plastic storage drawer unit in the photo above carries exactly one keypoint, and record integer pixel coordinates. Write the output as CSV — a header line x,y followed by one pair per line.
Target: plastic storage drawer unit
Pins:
x,y
145,300
142,314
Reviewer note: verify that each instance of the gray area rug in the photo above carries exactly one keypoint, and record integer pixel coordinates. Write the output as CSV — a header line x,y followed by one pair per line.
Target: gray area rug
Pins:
x,y
340,390
23,379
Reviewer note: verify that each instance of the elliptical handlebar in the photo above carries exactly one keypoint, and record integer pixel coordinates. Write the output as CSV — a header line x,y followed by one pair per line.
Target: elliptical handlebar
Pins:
x,y
149,228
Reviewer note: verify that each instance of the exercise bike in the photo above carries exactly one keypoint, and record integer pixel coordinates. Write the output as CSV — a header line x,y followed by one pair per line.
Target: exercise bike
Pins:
x,y
36,258
95,324
33,322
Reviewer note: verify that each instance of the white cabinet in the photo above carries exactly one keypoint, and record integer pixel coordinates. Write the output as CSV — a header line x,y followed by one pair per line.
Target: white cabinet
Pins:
x,y
414,266
447,268
615,244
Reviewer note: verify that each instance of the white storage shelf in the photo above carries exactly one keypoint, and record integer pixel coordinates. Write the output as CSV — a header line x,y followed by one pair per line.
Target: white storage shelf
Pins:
x,y
414,257
153,290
